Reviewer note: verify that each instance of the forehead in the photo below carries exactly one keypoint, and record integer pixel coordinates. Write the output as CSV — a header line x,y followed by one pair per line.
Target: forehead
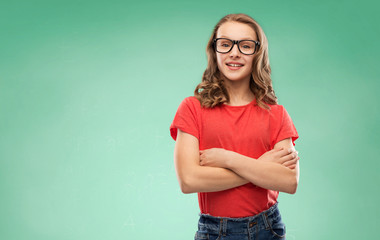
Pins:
x,y
236,31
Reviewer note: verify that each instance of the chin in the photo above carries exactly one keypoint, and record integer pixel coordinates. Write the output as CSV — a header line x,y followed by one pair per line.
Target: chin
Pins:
x,y
236,78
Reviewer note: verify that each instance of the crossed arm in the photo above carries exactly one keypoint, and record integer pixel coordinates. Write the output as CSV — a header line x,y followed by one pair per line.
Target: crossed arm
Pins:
x,y
220,169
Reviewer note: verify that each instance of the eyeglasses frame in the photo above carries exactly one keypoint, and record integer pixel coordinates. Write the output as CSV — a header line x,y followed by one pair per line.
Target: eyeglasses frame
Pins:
x,y
257,44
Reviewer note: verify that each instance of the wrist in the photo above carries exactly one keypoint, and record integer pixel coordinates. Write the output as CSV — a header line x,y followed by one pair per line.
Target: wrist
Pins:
x,y
229,159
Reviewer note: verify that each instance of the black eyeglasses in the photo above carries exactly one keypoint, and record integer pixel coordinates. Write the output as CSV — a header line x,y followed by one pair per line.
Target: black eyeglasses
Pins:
x,y
225,45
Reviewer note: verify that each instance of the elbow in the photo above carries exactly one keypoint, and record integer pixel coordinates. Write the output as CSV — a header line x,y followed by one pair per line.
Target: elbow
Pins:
x,y
187,180
186,186
186,190
293,182
292,188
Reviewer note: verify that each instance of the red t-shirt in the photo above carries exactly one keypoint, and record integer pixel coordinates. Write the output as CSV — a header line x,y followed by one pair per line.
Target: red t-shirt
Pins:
x,y
249,130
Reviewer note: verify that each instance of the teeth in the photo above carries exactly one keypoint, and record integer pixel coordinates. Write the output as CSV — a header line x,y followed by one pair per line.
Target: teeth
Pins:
x,y
234,65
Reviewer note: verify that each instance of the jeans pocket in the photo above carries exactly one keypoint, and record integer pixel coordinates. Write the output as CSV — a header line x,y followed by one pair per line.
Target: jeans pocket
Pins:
x,y
200,236
278,229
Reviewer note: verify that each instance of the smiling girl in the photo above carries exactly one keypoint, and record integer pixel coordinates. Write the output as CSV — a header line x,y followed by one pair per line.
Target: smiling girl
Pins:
x,y
234,143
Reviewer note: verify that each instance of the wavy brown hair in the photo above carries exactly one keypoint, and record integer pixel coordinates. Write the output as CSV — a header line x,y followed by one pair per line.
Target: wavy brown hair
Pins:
x,y
212,91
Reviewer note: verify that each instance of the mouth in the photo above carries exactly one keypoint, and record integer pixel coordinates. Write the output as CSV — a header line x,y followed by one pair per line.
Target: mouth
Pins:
x,y
234,64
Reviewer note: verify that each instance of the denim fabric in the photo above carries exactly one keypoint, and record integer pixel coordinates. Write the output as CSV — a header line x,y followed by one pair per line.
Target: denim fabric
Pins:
x,y
263,226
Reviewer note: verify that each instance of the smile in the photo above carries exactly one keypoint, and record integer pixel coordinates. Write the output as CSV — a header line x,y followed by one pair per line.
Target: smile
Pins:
x,y
235,65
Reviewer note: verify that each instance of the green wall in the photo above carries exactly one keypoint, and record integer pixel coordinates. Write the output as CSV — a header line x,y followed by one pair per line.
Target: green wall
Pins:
x,y
88,90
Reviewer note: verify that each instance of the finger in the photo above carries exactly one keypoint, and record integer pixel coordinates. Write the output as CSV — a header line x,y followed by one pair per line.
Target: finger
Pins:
x,y
288,150
292,166
291,162
288,157
284,152
275,153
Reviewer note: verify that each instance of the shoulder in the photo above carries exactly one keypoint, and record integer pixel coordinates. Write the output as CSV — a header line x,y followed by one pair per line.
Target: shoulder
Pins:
x,y
275,109
191,102
278,113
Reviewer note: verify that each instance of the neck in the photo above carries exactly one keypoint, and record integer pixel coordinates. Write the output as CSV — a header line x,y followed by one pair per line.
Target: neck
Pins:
x,y
239,92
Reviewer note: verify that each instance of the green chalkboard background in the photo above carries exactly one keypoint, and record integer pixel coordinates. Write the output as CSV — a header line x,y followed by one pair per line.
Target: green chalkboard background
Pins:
x,y
88,90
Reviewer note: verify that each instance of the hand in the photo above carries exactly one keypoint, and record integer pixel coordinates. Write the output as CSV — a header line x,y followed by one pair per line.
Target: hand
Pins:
x,y
286,157
214,157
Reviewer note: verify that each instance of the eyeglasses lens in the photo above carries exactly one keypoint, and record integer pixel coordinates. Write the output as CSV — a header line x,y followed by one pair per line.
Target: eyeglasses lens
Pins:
x,y
247,47
225,45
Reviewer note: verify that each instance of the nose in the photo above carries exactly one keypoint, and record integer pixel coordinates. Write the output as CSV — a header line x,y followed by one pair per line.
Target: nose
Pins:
x,y
234,51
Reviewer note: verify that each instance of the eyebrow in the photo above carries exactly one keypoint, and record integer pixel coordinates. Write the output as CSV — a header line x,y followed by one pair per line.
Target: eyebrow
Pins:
x,y
247,38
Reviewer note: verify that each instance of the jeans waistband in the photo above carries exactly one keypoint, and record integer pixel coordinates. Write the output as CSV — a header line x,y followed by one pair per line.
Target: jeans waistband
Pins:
x,y
238,225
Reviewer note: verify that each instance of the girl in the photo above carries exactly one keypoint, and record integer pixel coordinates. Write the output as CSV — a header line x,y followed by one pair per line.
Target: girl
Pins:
x,y
234,144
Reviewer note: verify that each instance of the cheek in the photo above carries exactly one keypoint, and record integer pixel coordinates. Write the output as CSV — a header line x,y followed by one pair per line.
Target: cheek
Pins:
x,y
219,61
249,63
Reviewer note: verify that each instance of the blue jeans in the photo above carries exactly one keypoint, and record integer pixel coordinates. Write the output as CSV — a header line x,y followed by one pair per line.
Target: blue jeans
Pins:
x,y
265,225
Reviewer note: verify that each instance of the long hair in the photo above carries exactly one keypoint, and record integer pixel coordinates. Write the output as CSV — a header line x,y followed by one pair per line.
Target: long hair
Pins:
x,y
212,90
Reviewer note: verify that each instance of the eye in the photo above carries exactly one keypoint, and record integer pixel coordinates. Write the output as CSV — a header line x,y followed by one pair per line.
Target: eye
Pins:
x,y
225,44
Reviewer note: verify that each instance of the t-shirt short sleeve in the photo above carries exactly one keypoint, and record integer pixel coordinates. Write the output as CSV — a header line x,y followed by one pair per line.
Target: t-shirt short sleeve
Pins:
x,y
186,118
282,125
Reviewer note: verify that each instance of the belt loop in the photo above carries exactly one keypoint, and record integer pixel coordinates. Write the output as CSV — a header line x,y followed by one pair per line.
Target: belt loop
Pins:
x,y
225,227
221,226
266,221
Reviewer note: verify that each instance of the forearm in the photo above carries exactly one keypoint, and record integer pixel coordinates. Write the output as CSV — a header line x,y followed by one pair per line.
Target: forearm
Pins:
x,y
195,178
267,175
209,179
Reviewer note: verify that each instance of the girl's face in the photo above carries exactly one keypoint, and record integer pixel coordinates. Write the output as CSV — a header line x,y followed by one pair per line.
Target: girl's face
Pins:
x,y
235,65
